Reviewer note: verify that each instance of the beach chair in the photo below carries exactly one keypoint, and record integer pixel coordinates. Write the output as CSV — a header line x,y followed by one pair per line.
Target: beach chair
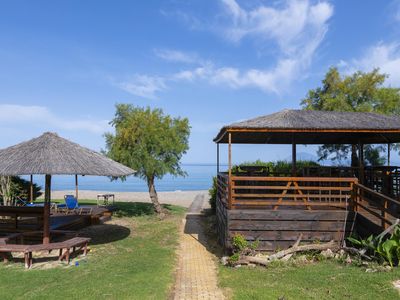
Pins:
x,y
21,202
24,202
72,206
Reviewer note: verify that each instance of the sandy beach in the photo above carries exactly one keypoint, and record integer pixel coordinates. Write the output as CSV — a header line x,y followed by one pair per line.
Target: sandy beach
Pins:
x,y
181,198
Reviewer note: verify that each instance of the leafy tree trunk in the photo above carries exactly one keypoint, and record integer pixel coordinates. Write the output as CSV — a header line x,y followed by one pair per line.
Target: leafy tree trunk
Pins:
x,y
354,156
154,196
5,189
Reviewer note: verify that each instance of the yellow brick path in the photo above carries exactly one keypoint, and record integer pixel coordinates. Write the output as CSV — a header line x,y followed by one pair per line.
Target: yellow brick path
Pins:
x,y
196,276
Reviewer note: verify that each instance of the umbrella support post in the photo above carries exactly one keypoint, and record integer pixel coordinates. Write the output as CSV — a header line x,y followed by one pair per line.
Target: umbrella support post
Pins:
x,y
46,215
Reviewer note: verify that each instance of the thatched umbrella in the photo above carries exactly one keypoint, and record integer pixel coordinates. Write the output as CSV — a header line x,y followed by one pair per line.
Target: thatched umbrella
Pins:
x,y
50,155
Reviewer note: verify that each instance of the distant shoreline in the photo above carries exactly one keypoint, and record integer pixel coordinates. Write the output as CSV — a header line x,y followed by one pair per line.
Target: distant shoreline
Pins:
x,y
181,198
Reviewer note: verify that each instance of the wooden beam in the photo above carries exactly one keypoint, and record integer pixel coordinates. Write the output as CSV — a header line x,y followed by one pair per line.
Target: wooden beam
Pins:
x,y
46,213
229,170
31,190
224,131
294,169
217,158
229,154
286,178
313,130
361,162
76,186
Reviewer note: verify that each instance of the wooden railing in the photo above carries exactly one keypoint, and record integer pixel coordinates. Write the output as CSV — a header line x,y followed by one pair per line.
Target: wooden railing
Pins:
x,y
16,218
223,189
382,179
375,206
275,192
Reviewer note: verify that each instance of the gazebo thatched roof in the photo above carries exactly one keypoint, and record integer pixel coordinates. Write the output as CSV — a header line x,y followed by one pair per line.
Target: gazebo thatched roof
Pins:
x,y
314,127
53,155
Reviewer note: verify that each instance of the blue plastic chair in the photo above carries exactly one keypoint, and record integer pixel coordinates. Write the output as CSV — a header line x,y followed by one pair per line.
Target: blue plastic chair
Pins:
x,y
72,205
71,202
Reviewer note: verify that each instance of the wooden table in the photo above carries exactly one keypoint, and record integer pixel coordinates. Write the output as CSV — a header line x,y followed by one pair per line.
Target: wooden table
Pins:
x,y
106,199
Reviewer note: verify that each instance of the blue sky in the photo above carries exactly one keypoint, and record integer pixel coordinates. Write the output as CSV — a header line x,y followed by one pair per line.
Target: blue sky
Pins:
x,y
64,64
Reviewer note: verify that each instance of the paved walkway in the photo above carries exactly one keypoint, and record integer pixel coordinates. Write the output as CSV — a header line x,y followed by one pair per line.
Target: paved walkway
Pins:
x,y
196,276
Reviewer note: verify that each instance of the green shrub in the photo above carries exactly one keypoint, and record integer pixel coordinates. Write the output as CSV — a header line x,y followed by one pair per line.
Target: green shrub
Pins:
x,y
234,258
239,243
381,248
280,166
240,246
258,163
213,195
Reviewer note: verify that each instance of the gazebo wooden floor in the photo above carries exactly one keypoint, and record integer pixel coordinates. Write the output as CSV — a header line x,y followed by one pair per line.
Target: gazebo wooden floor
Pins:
x,y
23,219
72,221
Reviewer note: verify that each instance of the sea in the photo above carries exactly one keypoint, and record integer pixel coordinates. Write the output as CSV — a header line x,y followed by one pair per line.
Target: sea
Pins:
x,y
199,177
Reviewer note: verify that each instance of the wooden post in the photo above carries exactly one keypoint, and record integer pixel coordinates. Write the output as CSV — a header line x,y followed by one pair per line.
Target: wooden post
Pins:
x,y
361,162
230,169
31,190
384,214
388,175
294,171
217,159
76,186
46,214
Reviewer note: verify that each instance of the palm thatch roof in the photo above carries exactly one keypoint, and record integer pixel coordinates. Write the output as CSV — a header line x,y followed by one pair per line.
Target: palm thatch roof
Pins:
x,y
314,127
53,155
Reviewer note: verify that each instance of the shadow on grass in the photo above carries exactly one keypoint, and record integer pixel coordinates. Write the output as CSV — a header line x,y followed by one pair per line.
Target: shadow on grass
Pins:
x,y
108,233
105,233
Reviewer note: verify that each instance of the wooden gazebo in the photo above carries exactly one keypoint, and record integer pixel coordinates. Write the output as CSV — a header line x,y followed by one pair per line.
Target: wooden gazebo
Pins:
x,y
322,206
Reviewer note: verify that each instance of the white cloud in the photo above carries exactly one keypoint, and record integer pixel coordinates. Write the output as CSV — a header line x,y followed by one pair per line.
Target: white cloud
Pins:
x,y
189,20
40,115
176,56
294,27
385,56
267,80
297,27
143,85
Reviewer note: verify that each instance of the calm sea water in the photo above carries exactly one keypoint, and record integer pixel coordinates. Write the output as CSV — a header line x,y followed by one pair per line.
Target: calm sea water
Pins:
x,y
199,178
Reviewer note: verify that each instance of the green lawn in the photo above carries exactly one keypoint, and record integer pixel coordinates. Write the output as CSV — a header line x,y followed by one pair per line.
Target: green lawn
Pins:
x,y
322,280
132,258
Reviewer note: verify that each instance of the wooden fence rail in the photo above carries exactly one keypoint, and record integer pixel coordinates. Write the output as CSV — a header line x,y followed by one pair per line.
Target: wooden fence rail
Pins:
x,y
275,192
17,219
375,206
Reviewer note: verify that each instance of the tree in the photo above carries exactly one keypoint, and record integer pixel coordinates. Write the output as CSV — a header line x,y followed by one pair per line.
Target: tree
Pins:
x,y
149,142
14,187
358,92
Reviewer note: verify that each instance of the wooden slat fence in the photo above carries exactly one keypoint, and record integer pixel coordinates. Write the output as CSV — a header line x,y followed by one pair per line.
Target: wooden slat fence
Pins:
x,y
274,210
223,188
375,206
279,192
19,219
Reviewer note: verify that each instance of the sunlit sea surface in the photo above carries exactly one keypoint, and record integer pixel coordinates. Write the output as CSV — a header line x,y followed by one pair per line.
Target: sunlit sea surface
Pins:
x,y
199,177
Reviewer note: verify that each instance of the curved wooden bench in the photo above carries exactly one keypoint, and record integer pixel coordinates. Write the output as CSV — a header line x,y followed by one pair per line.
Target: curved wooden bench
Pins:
x,y
76,244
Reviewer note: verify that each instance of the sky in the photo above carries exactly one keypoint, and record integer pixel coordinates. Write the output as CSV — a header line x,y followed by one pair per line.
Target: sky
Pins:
x,y
65,64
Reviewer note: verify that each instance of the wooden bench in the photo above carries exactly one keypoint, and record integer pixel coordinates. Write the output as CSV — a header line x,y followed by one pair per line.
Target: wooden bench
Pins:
x,y
73,243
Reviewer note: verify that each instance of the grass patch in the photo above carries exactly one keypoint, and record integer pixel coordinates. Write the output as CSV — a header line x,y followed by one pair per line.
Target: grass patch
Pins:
x,y
322,280
133,257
